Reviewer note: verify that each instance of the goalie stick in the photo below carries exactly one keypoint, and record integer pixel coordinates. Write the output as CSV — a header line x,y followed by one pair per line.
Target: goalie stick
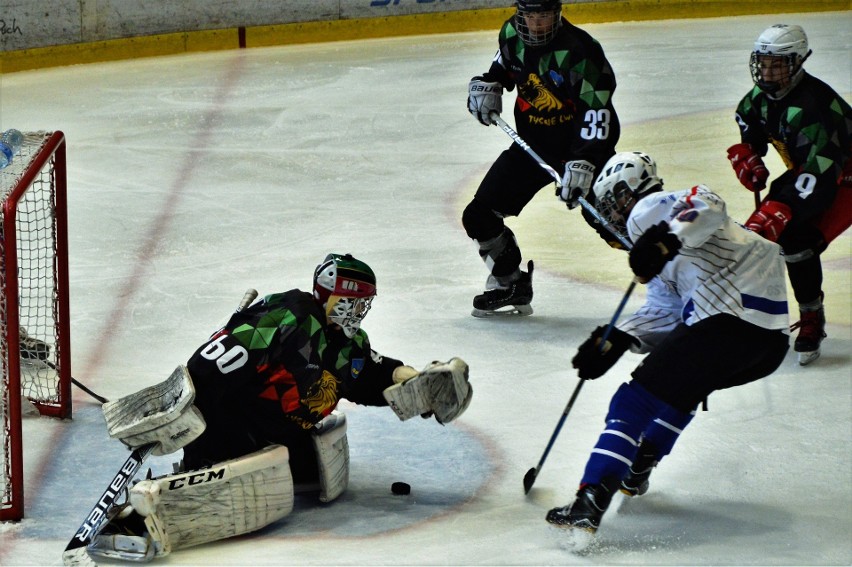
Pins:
x,y
75,552
495,118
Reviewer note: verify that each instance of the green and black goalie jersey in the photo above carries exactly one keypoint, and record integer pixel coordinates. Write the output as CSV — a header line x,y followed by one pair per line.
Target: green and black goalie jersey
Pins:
x,y
278,363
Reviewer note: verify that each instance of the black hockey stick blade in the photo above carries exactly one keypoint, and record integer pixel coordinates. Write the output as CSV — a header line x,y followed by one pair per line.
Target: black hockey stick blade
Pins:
x,y
75,552
529,479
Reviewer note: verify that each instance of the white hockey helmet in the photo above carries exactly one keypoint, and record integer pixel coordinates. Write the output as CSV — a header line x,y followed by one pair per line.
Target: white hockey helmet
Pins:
x,y
345,287
624,179
537,21
777,58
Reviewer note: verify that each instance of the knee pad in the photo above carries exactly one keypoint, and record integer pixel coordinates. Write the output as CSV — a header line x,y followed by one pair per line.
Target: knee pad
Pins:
x,y
480,222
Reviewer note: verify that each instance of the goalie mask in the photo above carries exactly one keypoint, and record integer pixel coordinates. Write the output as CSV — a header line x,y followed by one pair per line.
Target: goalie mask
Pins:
x,y
624,179
345,287
537,21
776,62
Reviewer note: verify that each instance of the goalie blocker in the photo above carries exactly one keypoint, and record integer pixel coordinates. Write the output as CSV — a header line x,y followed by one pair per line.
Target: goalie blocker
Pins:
x,y
442,389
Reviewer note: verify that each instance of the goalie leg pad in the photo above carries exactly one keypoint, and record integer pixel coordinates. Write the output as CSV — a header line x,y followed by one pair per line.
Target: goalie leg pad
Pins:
x,y
332,448
441,388
160,413
229,499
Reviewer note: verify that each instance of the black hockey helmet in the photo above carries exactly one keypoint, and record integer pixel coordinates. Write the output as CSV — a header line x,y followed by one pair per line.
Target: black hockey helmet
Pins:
x,y
537,21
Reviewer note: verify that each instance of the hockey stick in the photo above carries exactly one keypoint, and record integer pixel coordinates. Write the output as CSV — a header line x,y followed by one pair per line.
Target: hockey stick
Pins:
x,y
75,552
495,118
80,385
529,478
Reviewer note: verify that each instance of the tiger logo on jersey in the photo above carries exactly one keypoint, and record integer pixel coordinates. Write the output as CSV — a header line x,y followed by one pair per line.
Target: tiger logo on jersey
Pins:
x,y
322,397
537,95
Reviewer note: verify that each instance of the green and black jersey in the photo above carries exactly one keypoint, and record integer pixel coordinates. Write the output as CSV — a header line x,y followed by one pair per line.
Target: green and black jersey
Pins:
x,y
810,128
564,102
278,363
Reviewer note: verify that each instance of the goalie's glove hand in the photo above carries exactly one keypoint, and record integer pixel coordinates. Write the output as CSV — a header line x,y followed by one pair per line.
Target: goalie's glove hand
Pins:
x,y
769,220
652,250
576,182
592,360
483,98
748,166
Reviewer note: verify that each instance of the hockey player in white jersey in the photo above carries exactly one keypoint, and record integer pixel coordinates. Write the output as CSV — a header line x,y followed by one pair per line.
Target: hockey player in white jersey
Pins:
x,y
715,317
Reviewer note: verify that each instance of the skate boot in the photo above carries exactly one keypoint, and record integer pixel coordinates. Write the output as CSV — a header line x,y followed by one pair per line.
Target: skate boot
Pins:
x,y
513,299
636,482
587,510
811,325
124,537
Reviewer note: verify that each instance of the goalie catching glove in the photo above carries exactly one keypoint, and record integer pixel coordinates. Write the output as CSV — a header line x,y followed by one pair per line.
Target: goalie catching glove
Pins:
x,y
442,388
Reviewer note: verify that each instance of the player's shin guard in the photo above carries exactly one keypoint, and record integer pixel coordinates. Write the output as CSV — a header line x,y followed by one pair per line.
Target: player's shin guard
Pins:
x,y
502,257
657,442
631,410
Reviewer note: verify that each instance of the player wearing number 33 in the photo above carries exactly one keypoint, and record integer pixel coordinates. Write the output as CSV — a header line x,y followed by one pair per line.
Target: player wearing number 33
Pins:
x,y
715,317
809,204
254,412
564,111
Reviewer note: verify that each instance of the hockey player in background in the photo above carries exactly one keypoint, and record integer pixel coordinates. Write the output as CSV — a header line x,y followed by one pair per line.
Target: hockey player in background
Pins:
x,y
810,204
715,317
564,111
254,411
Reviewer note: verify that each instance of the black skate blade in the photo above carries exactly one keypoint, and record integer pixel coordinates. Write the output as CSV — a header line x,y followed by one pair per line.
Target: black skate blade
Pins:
x,y
507,311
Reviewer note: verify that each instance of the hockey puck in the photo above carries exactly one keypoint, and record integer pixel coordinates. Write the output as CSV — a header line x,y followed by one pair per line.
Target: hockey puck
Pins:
x,y
401,488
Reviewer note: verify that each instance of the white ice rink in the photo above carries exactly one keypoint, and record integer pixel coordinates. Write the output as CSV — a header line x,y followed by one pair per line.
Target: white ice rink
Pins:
x,y
194,177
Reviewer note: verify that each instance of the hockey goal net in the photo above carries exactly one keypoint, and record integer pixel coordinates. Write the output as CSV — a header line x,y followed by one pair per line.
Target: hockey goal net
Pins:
x,y
35,371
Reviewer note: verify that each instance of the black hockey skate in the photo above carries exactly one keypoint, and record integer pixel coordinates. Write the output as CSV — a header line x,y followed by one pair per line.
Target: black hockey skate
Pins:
x,y
636,482
811,325
587,510
514,299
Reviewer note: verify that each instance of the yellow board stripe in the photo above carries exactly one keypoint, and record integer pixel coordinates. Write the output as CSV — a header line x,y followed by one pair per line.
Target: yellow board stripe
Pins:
x,y
415,24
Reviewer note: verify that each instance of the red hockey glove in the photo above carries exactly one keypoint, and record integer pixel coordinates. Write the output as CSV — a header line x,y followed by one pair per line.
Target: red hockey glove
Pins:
x,y
769,220
748,166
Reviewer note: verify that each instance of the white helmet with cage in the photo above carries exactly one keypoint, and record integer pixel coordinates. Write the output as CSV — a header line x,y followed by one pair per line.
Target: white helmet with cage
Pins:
x,y
537,21
777,58
624,179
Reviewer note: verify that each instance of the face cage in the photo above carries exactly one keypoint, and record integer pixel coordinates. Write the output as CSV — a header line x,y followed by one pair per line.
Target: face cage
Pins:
x,y
348,312
774,88
539,38
615,205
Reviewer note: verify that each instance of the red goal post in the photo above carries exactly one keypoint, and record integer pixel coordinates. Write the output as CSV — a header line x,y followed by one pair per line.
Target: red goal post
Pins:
x,y
35,357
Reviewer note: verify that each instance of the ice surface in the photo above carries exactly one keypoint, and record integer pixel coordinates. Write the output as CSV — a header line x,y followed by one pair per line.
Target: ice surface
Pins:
x,y
194,177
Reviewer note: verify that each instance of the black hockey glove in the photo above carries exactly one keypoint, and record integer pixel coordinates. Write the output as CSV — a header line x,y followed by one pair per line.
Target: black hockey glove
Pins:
x,y
652,250
592,361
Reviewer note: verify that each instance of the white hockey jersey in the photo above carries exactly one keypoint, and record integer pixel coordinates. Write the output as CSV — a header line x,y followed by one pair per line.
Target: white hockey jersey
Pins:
x,y
721,268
